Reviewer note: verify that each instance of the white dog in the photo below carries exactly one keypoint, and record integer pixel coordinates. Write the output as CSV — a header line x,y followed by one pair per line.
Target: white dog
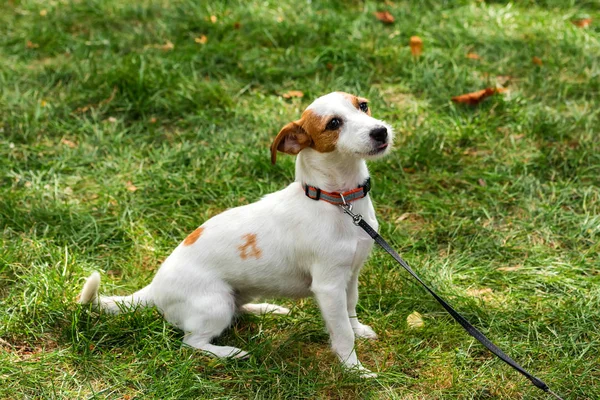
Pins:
x,y
296,242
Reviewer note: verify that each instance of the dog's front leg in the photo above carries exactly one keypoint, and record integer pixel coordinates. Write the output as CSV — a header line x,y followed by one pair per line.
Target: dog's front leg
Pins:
x,y
360,330
331,297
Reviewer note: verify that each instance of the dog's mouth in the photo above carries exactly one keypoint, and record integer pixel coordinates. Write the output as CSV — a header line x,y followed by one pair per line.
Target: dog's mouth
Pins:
x,y
379,149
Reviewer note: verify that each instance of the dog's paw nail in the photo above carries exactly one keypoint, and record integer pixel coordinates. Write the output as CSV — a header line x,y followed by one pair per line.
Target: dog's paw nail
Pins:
x,y
368,374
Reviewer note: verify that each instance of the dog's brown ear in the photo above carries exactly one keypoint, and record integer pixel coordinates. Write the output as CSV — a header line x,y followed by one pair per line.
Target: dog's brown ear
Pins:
x,y
291,139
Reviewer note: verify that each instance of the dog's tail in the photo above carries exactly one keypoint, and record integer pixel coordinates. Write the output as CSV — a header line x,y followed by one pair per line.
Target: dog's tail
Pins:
x,y
112,304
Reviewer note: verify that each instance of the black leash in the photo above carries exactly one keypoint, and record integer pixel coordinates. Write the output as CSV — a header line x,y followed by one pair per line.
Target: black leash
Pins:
x,y
359,221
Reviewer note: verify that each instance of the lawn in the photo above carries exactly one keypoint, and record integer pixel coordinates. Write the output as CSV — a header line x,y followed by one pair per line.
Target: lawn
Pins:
x,y
126,124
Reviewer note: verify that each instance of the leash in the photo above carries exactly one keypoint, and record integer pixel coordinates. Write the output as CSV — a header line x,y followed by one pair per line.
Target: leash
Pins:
x,y
359,221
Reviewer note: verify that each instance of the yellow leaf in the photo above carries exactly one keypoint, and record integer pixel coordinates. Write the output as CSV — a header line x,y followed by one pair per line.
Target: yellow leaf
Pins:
x,y
416,46
213,19
131,187
415,320
43,13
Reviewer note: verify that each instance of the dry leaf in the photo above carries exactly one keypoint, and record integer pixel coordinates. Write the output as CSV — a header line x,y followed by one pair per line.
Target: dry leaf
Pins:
x,y
68,143
403,217
213,19
416,46
31,45
43,103
481,182
385,17
292,93
112,120
43,13
473,56
537,61
329,66
237,25
479,292
167,46
582,23
202,39
415,320
131,187
509,269
476,97
153,120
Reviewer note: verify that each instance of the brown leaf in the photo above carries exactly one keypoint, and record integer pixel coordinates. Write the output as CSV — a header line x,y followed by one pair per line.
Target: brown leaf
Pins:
x,y
476,97
292,93
153,120
473,56
537,61
329,66
31,45
416,46
385,17
481,182
68,143
582,23
202,39
213,19
131,187
237,25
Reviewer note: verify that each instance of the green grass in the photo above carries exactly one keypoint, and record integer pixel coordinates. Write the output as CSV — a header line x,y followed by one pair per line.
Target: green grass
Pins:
x,y
93,102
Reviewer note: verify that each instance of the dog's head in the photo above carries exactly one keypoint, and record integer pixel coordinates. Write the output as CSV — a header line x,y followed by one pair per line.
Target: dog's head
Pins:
x,y
337,122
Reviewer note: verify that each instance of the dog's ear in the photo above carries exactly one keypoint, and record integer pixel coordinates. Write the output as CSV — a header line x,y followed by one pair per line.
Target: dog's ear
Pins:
x,y
291,139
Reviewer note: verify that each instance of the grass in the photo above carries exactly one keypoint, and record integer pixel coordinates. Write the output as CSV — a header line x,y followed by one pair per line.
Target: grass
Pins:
x,y
496,205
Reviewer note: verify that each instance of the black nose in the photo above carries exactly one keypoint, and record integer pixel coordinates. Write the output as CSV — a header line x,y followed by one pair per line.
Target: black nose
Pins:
x,y
379,134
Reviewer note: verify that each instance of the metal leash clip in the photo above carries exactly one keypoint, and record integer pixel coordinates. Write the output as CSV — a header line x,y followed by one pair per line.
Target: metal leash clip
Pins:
x,y
356,218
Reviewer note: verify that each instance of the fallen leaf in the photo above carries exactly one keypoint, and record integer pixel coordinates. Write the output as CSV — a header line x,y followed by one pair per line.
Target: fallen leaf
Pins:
x,y
201,39
237,25
43,103
68,143
385,17
131,187
403,217
473,56
167,46
509,269
582,23
476,97
517,137
481,182
537,61
479,292
415,320
112,120
43,13
279,19
416,46
31,45
292,93
329,66
213,19
153,120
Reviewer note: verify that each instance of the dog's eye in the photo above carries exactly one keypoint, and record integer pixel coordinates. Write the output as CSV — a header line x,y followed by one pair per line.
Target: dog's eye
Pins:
x,y
363,106
333,124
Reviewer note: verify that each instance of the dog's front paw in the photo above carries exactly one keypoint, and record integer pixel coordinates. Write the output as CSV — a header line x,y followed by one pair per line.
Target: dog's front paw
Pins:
x,y
364,331
362,371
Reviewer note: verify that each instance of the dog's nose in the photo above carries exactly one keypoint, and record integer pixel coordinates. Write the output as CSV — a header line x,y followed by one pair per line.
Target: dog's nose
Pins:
x,y
379,134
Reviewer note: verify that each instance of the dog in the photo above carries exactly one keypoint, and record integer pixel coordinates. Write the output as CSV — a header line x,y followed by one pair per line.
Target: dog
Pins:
x,y
296,242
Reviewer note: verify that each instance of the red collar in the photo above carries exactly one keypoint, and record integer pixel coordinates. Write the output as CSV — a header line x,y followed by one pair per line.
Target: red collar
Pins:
x,y
338,198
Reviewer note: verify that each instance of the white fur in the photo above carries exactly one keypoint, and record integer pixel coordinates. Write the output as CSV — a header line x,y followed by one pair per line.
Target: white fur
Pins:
x,y
307,248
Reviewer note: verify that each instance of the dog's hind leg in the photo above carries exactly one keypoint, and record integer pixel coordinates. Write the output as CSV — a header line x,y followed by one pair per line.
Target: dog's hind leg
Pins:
x,y
206,317
264,308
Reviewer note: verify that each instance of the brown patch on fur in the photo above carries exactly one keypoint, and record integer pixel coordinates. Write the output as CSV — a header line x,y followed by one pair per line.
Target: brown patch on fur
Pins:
x,y
310,131
249,249
192,237
322,139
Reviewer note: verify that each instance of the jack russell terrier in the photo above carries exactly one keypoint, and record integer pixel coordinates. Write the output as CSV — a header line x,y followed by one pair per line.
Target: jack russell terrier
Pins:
x,y
296,242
